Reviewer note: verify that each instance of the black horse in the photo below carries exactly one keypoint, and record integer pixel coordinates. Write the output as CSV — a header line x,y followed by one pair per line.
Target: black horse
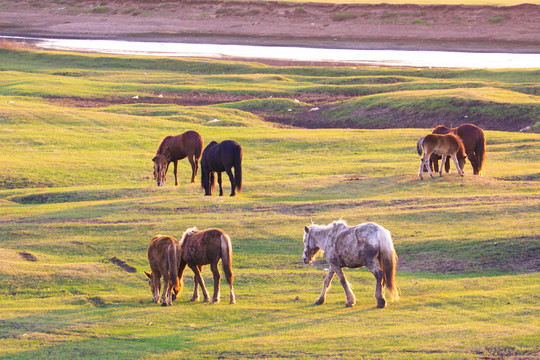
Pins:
x,y
219,157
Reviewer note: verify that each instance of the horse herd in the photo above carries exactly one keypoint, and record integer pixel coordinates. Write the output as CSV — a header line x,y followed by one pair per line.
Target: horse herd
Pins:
x,y
367,244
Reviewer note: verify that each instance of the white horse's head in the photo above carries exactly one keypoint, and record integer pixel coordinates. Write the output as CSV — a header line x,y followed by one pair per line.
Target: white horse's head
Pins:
x,y
310,248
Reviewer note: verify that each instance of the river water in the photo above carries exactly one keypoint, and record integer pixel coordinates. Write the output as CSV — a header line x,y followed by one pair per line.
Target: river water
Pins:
x,y
444,59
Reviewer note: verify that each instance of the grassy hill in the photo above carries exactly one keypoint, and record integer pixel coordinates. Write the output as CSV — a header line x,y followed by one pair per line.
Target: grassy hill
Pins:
x,y
355,97
77,199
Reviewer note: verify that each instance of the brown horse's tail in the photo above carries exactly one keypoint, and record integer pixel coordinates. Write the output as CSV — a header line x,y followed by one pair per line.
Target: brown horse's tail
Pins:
x,y
172,258
419,146
226,257
480,153
198,148
238,155
388,262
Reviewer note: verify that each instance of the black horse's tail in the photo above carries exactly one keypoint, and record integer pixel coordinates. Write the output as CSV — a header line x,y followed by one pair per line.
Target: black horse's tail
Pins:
x,y
419,146
238,155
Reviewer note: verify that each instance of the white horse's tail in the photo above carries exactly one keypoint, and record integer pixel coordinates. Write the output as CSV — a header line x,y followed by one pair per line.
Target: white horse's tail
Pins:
x,y
388,261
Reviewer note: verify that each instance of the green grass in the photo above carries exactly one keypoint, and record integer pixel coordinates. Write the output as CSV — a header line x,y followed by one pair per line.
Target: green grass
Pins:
x,y
506,99
76,190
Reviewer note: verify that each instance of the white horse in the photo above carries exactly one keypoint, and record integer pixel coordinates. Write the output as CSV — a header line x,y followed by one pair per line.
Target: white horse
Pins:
x,y
354,247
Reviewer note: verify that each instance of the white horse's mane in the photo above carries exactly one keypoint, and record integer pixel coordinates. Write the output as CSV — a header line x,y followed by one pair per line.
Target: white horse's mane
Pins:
x,y
190,231
331,225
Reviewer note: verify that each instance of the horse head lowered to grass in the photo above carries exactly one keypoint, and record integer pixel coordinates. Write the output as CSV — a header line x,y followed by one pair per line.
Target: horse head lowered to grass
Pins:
x,y
445,145
174,148
164,259
474,142
367,244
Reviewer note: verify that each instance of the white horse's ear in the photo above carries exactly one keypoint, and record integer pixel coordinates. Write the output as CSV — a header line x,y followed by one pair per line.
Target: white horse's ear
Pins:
x,y
306,229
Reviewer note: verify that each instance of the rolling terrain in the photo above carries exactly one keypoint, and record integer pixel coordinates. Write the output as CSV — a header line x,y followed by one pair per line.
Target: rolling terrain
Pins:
x,y
78,207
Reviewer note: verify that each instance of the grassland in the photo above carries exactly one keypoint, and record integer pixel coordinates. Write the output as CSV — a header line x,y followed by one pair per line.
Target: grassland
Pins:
x,y
76,192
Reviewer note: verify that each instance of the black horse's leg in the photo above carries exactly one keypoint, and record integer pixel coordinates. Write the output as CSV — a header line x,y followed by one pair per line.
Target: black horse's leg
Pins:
x,y
231,178
219,182
434,162
210,183
447,165
176,172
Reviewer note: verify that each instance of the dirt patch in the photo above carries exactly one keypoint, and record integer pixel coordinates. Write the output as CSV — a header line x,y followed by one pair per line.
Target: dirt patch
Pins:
x,y
27,256
122,264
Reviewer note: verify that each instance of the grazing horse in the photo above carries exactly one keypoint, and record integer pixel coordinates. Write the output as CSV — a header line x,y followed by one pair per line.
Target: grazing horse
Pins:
x,y
174,148
473,140
164,259
354,247
205,247
445,145
219,157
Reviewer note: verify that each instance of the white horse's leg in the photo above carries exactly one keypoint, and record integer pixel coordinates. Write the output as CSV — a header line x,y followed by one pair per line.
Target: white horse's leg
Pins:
x,y
379,288
351,299
443,161
460,172
326,285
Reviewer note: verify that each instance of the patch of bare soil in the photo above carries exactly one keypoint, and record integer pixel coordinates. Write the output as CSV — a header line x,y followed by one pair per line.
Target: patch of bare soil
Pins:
x,y
122,264
27,256
190,98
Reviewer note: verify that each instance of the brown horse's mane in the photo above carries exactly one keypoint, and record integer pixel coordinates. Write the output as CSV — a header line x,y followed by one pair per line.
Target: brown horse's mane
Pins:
x,y
188,232
162,147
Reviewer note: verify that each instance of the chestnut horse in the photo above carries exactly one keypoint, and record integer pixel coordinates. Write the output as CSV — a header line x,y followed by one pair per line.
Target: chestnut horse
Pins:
x,y
445,145
219,157
164,259
174,148
474,141
205,247
354,246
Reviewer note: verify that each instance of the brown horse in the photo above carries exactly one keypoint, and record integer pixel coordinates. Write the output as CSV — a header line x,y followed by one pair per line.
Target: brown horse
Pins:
x,y
474,141
164,259
445,145
219,157
205,247
174,148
